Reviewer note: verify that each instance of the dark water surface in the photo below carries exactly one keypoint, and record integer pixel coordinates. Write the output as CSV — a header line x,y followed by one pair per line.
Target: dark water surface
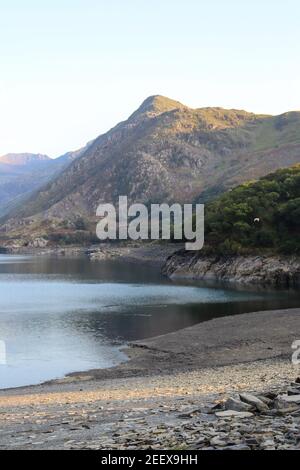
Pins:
x,y
60,315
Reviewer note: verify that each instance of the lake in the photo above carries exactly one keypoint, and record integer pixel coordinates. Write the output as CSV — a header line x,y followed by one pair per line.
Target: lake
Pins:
x,y
60,315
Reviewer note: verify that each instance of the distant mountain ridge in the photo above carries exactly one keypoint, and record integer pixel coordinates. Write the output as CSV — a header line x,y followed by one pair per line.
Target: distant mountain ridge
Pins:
x,y
164,152
22,159
23,173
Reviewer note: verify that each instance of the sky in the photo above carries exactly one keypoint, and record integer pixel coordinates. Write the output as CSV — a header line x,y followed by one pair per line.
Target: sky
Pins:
x,y
72,69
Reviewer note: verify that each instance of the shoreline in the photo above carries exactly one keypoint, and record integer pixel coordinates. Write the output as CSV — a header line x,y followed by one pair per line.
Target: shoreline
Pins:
x,y
255,269
266,271
181,350
184,411
220,342
169,392
152,254
167,396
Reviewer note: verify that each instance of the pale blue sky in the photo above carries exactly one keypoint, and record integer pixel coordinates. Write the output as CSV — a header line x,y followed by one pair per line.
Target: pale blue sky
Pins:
x,y
71,69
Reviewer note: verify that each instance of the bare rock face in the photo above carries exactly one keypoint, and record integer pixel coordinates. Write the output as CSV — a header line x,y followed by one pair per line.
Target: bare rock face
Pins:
x,y
263,270
38,243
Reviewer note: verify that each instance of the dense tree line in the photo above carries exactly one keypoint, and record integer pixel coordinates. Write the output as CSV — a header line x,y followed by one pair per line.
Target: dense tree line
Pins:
x,y
257,216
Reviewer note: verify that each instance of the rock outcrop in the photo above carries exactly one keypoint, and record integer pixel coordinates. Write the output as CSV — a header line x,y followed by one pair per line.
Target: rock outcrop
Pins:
x,y
275,270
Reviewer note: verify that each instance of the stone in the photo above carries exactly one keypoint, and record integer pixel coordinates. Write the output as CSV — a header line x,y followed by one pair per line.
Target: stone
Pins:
x,y
270,395
216,441
266,400
251,441
237,405
207,410
201,440
233,414
254,401
290,398
137,428
268,443
189,414
293,391
287,404
237,447
284,407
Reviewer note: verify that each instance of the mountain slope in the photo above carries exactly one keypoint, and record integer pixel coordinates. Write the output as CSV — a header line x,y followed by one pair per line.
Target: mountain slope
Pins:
x,y
21,174
164,152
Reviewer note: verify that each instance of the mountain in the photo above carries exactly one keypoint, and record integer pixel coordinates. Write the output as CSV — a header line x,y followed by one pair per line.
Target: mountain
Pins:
x,y
21,174
69,157
24,159
164,152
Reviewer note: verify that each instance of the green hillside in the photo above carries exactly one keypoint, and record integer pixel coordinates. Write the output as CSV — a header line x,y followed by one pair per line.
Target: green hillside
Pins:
x,y
260,215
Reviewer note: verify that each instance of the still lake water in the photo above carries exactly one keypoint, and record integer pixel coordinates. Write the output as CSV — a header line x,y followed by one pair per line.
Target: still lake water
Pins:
x,y
60,315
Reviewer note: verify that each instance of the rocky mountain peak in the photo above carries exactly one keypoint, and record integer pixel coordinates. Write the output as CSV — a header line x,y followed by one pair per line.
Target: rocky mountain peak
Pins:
x,y
155,105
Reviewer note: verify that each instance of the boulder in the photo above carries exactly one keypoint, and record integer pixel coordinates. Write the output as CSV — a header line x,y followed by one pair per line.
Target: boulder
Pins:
x,y
254,401
237,405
